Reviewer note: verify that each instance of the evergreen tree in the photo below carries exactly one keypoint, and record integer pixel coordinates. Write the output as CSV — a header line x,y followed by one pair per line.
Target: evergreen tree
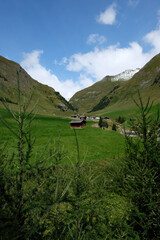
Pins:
x,y
114,128
142,173
120,119
100,122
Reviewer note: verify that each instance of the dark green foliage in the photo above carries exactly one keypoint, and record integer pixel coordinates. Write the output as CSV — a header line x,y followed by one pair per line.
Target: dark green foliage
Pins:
x,y
61,108
115,87
156,80
114,127
139,179
88,211
120,119
105,124
102,104
102,123
7,100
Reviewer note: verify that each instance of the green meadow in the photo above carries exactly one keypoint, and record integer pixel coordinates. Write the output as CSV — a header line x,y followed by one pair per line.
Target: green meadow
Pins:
x,y
94,143
133,112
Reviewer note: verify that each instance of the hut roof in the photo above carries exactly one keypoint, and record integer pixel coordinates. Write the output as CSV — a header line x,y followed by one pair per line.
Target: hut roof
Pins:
x,y
77,121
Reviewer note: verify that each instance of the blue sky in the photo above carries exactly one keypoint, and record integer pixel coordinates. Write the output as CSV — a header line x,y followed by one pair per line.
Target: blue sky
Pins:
x,y
71,44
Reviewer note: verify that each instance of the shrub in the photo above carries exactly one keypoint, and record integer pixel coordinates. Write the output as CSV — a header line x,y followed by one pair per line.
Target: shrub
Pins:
x,y
114,127
120,119
102,123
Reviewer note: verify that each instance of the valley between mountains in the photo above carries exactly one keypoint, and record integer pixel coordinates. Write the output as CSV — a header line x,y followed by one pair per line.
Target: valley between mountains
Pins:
x,y
112,93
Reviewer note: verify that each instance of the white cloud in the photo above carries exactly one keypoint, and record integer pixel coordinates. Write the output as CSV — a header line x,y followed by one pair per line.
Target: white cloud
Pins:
x,y
85,81
153,38
31,63
108,61
31,59
108,16
114,59
93,65
96,38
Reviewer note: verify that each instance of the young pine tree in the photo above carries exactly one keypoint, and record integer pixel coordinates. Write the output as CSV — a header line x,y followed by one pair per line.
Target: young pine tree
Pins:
x,y
28,188
142,173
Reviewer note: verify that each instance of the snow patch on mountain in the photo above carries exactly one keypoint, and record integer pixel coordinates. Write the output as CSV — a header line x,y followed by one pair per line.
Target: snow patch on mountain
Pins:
x,y
126,75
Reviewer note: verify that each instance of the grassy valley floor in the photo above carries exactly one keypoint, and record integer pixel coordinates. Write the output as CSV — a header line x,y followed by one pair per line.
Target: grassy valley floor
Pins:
x,y
94,143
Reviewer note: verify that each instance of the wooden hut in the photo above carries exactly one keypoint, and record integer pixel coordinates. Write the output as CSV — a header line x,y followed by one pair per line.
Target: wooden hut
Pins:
x,y
78,123
82,117
105,118
75,116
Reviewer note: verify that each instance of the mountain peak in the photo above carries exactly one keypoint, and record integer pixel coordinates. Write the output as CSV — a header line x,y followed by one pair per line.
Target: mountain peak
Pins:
x,y
125,75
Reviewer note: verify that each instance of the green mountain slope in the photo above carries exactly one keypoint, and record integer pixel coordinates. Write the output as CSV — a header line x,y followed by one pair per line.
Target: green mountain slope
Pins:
x,y
87,99
147,81
49,101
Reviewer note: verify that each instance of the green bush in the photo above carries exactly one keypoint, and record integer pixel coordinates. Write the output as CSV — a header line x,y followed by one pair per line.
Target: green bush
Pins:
x,y
114,127
120,119
102,124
